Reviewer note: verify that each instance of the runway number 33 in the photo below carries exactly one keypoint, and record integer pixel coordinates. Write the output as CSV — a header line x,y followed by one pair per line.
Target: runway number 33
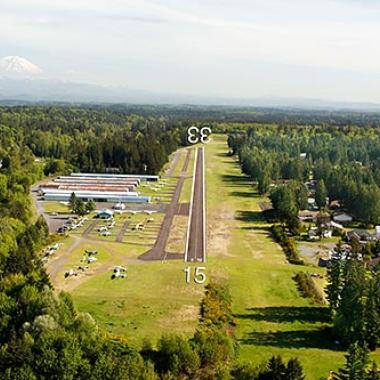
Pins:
x,y
196,135
199,275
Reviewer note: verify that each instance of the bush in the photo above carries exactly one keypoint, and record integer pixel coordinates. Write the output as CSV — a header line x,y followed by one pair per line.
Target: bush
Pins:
x,y
287,245
307,287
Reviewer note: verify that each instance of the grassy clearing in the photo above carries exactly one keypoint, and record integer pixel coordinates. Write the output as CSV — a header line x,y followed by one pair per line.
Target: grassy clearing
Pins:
x,y
186,191
153,299
190,168
181,160
58,207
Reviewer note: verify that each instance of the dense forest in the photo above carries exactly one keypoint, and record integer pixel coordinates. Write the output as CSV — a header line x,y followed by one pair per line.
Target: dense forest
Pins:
x,y
222,116
344,162
90,140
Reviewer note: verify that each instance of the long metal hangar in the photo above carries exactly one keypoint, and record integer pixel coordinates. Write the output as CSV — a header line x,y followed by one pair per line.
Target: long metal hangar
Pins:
x,y
98,187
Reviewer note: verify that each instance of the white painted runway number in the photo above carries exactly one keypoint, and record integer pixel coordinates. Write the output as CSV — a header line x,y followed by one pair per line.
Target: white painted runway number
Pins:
x,y
194,135
199,275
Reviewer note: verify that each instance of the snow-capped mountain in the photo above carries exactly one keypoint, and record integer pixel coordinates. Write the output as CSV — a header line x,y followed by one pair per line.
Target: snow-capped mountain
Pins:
x,y
15,66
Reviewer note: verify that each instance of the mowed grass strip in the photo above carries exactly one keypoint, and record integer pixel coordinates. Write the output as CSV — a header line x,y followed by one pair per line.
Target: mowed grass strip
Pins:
x,y
181,160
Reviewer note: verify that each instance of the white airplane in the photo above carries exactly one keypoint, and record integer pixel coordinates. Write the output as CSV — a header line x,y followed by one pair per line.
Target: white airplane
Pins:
x,y
120,268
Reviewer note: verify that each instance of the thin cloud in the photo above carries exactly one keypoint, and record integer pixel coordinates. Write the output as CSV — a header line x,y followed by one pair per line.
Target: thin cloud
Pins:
x,y
201,45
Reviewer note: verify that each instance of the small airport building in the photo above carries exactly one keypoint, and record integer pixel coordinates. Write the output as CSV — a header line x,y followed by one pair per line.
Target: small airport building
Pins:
x,y
105,214
115,188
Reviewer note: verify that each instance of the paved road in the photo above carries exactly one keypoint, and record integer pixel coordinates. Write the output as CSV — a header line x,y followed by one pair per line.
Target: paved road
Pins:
x,y
158,251
196,241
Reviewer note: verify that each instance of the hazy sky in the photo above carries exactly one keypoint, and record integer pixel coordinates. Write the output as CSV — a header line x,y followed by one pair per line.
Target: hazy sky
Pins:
x,y
240,48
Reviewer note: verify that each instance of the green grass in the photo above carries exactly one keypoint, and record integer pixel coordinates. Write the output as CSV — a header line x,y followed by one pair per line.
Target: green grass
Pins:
x,y
178,169
58,207
153,299
186,191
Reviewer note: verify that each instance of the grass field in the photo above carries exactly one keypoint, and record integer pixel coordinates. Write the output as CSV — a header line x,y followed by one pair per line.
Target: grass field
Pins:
x,y
57,207
271,316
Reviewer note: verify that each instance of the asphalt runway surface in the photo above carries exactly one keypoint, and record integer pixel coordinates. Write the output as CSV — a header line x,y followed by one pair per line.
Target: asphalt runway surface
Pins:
x,y
196,243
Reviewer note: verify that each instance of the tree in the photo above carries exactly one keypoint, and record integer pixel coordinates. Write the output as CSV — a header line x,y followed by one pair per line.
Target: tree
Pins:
x,y
263,183
80,207
334,286
350,314
374,372
294,370
276,370
176,357
356,363
245,371
320,194
284,202
90,206
54,166
72,201
372,313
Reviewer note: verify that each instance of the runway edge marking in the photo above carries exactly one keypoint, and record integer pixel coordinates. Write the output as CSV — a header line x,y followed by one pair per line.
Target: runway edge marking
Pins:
x,y
204,205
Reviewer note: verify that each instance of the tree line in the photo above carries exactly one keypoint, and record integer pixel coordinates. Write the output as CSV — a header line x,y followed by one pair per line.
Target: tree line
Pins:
x,y
344,161
72,138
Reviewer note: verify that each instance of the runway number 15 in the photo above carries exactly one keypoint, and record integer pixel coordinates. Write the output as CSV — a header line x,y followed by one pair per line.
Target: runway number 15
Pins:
x,y
199,275
194,135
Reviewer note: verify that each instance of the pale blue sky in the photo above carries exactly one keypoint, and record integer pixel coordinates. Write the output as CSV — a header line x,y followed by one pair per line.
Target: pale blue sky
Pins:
x,y
326,49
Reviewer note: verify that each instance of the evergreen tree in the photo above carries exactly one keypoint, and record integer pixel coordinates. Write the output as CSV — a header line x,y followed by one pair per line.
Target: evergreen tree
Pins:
x,y
356,363
263,183
90,206
72,201
320,194
334,278
372,314
294,370
374,372
276,370
80,207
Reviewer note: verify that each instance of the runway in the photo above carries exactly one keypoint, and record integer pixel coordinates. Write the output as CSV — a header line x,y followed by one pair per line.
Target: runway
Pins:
x,y
196,238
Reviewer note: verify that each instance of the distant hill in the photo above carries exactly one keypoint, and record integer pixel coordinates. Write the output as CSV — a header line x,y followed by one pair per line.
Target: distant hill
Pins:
x,y
26,89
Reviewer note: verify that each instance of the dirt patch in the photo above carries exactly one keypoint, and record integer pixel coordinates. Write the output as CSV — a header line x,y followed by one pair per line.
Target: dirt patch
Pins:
x,y
266,206
218,238
177,235
219,231
224,214
187,313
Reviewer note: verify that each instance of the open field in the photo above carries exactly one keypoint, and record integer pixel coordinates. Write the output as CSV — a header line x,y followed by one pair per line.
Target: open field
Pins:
x,y
57,207
271,316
